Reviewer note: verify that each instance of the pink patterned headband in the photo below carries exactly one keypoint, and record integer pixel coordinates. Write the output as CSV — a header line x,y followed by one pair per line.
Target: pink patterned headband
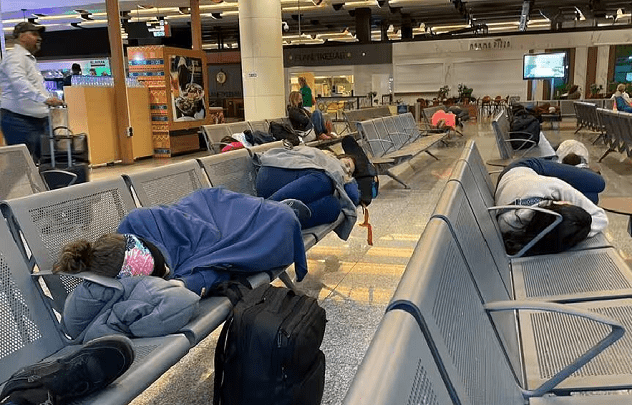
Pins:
x,y
138,260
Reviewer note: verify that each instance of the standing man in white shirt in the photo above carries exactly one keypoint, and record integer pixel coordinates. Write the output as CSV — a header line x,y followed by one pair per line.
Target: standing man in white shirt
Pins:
x,y
25,100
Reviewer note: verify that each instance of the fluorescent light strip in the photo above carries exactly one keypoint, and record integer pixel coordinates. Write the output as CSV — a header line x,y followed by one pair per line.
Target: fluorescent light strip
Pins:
x,y
361,3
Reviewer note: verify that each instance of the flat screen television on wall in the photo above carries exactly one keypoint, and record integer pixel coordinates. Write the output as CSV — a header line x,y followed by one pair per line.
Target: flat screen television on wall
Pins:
x,y
537,66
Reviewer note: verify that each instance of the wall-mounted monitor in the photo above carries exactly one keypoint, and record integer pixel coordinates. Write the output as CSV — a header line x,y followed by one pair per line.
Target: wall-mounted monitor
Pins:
x,y
537,66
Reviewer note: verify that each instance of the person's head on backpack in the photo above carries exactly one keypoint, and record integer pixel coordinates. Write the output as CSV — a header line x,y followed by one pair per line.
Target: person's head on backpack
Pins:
x,y
574,228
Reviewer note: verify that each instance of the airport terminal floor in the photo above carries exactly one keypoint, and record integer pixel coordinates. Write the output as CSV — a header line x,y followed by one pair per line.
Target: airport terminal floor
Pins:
x,y
355,281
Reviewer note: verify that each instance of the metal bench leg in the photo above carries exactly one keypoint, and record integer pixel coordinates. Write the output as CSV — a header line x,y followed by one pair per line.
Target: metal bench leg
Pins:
x,y
578,129
602,135
394,177
431,154
285,278
605,154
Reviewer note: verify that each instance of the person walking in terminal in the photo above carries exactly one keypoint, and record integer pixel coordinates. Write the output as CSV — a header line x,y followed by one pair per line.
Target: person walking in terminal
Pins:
x,y
25,100
570,191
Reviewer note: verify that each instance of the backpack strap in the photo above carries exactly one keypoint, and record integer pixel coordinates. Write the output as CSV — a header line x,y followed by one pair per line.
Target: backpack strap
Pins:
x,y
366,224
220,358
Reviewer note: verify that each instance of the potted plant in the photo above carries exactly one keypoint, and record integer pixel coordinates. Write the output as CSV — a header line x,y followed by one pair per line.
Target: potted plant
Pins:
x,y
443,93
465,93
595,89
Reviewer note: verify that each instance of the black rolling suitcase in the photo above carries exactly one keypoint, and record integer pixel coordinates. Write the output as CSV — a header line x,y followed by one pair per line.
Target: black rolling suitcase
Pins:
x,y
64,151
268,352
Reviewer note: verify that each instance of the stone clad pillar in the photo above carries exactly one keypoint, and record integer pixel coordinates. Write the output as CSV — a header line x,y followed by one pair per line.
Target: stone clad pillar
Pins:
x,y
262,59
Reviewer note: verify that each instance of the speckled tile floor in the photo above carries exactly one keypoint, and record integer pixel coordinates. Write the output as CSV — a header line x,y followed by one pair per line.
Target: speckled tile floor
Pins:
x,y
355,281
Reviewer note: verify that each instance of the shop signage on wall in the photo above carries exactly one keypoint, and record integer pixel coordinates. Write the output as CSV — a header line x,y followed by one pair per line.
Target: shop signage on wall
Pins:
x,y
489,44
352,54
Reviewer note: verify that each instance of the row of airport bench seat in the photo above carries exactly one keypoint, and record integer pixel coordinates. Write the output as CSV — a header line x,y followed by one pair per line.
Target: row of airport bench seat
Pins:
x,y
390,140
213,134
37,226
468,324
566,106
614,127
502,134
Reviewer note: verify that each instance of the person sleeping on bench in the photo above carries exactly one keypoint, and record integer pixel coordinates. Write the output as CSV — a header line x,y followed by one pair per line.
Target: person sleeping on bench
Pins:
x,y
566,190
207,237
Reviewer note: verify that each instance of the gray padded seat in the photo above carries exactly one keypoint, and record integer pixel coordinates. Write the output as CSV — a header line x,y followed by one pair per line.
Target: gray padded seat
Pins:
x,y
50,220
20,176
237,127
233,170
413,377
399,137
438,289
30,334
533,277
213,134
262,126
442,289
167,184
484,184
501,127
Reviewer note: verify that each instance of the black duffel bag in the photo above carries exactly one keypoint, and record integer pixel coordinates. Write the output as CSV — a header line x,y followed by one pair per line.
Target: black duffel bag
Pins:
x,y
524,126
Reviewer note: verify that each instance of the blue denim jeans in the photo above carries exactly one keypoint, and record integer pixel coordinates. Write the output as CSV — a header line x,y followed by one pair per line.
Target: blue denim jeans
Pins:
x,y
19,128
319,122
585,181
312,187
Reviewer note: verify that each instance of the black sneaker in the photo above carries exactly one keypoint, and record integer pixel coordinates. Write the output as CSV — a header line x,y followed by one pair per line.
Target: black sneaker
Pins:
x,y
91,368
301,210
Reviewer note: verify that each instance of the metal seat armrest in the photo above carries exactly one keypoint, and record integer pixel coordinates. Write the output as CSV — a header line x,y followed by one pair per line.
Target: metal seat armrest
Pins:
x,y
524,141
47,176
617,331
85,275
558,219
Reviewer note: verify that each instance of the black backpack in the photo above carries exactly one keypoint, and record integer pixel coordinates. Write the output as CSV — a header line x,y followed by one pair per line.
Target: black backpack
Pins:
x,y
528,127
283,131
268,352
365,173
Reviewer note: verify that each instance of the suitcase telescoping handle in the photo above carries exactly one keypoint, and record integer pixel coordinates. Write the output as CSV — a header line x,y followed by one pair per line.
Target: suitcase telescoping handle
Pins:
x,y
51,134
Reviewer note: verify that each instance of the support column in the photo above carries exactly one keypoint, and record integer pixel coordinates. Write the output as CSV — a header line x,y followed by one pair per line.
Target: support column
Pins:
x,y
117,61
363,25
262,59
581,66
407,27
601,72
384,31
196,25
